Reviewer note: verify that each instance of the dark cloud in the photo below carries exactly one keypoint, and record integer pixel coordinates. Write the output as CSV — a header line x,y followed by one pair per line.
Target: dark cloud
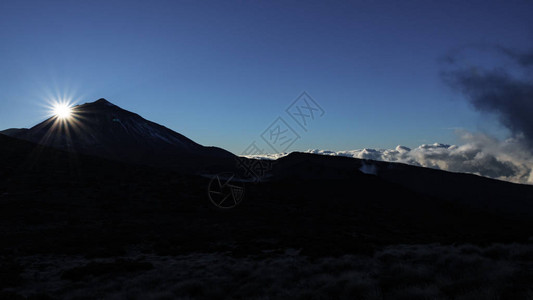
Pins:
x,y
496,91
525,59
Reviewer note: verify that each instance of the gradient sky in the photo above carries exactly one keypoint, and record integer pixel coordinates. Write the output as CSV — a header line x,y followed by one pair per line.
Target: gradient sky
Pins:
x,y
221,72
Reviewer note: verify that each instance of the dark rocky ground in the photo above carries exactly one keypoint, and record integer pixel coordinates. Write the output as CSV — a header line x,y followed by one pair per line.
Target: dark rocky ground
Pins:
x,y
74,226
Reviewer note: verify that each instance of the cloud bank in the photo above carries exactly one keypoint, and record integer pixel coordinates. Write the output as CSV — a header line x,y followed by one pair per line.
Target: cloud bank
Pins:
x,y
481,155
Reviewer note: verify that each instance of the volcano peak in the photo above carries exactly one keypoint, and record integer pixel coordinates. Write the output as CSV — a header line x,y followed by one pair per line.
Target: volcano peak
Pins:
x,y
103,101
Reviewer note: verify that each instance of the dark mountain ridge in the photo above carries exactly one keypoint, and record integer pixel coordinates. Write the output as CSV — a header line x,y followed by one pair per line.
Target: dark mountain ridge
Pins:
x,y
466,189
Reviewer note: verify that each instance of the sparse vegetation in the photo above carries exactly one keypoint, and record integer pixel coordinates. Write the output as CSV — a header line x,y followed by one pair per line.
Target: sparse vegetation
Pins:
x,y
395,272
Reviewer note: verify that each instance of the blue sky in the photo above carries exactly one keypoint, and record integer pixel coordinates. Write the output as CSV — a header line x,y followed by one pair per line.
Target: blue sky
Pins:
x,y
221,72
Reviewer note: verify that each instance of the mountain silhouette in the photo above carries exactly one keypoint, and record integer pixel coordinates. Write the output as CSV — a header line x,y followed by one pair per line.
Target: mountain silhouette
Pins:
x,y
103,129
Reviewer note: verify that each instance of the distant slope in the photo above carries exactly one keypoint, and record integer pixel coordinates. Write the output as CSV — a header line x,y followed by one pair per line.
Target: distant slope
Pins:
x,y
465,189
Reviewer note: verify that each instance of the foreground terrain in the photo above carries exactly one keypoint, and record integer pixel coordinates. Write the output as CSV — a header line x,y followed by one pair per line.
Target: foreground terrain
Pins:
x,y
75,226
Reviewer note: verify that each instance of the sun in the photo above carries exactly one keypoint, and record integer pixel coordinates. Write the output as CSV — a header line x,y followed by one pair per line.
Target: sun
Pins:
x,y
62,110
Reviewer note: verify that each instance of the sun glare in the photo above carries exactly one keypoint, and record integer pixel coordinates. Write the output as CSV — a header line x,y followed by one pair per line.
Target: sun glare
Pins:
x,y
62,110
